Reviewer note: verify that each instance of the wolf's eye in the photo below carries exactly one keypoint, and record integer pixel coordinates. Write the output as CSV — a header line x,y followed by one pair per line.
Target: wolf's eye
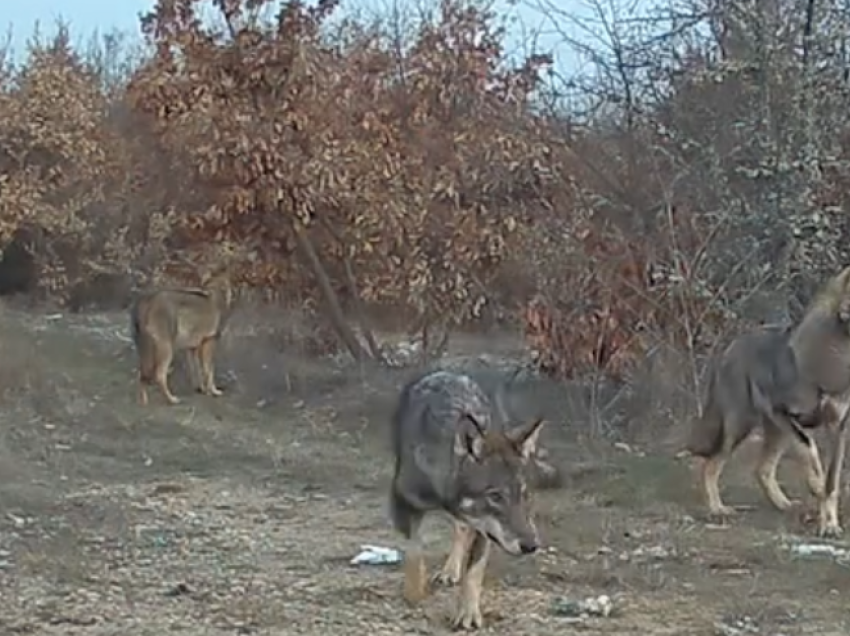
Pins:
x,y
495,497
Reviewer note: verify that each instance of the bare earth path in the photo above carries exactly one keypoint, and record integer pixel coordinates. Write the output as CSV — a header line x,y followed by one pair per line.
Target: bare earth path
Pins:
x,y
239,515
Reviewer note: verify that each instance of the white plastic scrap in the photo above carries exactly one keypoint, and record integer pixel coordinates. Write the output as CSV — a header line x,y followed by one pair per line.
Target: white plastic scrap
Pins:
x,y
820,549
376,555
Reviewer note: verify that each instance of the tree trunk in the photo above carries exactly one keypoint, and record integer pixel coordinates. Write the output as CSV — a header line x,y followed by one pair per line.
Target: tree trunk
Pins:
x,y
335,312
359,312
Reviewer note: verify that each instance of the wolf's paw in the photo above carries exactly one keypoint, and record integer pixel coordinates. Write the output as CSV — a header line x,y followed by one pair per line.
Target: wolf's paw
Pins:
x,y
831,530
468,617
449,576
721,513
788,504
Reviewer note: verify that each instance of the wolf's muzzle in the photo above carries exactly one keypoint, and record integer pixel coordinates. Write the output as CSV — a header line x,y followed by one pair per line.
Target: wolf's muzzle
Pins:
x,y
528,547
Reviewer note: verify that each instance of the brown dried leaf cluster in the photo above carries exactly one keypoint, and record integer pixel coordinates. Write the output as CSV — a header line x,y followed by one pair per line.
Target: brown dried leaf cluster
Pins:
x,y
329,164
390,164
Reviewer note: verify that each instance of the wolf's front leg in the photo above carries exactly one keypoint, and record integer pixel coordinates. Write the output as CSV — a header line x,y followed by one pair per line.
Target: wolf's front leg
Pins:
x,y
453,568
775,444
469,603
206,352
829,524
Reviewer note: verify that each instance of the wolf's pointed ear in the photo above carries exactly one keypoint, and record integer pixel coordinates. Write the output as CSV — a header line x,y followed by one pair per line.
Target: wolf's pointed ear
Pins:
x,y
469,438
525,437
501,395
843,291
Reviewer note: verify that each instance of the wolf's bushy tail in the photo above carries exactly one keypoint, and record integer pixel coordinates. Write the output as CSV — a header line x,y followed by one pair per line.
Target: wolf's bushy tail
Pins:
x,y
707,435
135,326
142,340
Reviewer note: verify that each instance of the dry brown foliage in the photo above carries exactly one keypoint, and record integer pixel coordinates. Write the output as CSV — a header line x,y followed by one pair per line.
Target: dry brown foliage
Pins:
x,y
344,171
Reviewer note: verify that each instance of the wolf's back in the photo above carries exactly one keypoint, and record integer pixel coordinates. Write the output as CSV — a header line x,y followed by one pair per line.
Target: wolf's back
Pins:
x,y
755,374
430,406
427,416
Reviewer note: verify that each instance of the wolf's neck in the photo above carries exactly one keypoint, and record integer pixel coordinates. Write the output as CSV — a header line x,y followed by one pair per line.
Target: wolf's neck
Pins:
x,y
219,297
822,354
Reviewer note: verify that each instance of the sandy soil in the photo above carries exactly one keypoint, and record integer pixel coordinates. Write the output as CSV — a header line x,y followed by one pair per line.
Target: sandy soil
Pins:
x,y
239,514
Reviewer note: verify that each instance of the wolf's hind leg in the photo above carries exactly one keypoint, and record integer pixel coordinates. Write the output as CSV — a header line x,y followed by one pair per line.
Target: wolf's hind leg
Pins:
x,y
733,430
408,521
191,358
712,468
715,438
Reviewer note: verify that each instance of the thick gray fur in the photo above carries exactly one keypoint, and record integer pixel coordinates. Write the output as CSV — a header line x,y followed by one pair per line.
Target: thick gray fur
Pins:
x,y
425,425
756,382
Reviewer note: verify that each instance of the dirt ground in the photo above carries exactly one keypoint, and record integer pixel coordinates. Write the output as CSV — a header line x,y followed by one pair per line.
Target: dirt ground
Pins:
x,y
239,514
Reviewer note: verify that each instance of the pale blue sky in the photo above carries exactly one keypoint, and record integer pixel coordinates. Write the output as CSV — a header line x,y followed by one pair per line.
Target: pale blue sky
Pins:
x,y
547,27
84,16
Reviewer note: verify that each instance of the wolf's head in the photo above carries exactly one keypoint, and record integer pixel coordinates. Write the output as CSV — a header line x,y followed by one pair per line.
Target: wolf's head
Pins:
x,y
219,282
492,492
821,340
834,297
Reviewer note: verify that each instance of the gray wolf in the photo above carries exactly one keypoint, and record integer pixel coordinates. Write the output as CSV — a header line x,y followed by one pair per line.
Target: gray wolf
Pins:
x,y
165,321
452,455
786,382
542,474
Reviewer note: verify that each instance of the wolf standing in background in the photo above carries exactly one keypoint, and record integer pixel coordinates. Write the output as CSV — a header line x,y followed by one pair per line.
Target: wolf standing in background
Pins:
x,y
165,321
451,456
784,382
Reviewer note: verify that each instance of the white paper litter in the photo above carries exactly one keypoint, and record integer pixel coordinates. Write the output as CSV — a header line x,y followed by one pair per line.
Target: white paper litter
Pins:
x,y
376,555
